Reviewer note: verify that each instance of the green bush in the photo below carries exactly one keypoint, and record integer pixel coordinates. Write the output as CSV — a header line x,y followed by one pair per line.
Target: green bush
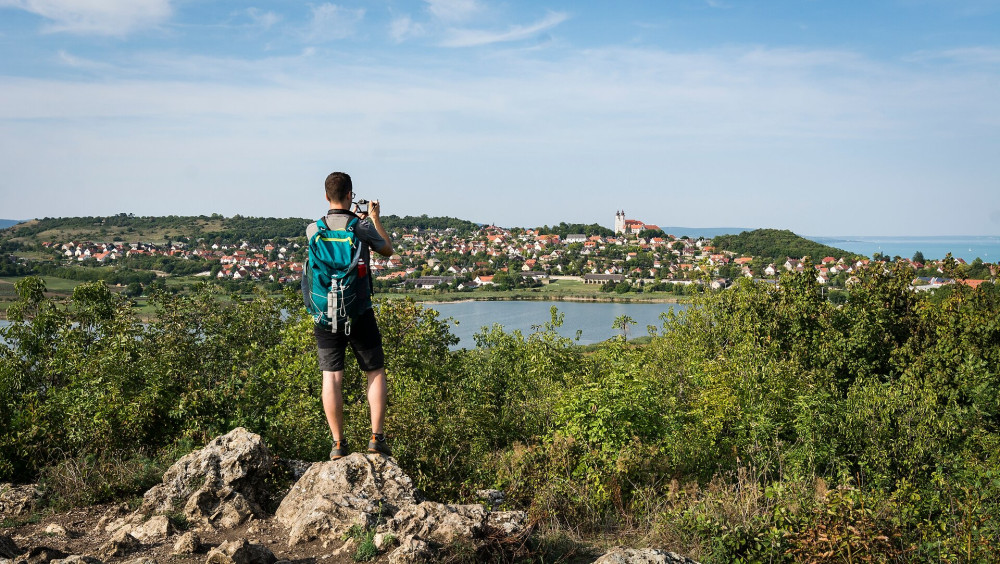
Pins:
x,y
762,424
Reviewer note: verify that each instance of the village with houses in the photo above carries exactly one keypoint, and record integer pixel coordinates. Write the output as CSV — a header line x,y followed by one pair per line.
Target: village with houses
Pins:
x,y
634,256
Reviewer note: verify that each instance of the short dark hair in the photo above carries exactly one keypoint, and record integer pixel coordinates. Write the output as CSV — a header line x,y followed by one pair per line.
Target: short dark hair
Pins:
x,y
338,186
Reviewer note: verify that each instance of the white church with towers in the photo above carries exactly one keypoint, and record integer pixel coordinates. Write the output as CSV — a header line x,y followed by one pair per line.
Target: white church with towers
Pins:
x,y
630,226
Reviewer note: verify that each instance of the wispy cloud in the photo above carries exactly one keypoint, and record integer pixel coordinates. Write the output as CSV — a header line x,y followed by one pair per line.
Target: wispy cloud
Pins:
x,y
75,62
403,28
454,10
475,37
261,18
97,17
964,55
330,21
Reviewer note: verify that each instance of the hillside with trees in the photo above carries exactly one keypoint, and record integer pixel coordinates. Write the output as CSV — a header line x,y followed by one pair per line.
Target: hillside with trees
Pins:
x,y
214,228
410,222
564,229
776,244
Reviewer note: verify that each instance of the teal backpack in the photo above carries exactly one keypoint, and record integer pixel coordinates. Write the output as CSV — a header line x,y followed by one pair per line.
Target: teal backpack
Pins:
x,y
335,282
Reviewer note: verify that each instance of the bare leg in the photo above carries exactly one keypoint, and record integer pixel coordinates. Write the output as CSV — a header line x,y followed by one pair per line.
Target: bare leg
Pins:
x,y
377,398
333,402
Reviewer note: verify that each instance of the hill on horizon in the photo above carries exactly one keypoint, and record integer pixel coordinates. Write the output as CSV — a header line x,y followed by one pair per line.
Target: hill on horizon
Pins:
x,y
159,229
777,244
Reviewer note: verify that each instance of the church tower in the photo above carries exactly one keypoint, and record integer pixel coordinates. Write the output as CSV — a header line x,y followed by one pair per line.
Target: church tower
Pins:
x,y
619,221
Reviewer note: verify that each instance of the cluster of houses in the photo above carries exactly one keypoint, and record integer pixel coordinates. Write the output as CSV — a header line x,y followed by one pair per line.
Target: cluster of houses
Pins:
x,y
430,258
237,261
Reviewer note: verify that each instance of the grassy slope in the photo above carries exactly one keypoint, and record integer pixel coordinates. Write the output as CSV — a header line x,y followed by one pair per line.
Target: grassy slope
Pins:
x,y
154,234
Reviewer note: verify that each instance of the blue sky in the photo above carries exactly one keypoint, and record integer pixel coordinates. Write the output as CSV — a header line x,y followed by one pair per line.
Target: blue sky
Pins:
x,y
827,117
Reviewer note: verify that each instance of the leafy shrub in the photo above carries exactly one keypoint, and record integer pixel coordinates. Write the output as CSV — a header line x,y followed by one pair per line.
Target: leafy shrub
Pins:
x,y
762,424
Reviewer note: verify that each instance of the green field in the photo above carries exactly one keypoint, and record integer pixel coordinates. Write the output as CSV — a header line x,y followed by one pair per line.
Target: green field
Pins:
x,y
52,284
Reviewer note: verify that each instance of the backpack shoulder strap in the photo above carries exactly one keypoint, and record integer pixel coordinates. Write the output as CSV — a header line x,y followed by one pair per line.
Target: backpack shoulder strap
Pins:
x,y
342,212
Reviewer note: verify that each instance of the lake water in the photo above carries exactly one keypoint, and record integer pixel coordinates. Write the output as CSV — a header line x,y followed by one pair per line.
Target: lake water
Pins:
x,y
968,248
592,319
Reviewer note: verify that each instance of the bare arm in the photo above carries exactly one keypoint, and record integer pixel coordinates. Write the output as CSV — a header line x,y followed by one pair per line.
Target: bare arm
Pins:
x,y
373,214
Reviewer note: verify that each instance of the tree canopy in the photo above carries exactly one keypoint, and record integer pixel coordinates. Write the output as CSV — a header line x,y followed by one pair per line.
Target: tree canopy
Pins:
x,y
776,244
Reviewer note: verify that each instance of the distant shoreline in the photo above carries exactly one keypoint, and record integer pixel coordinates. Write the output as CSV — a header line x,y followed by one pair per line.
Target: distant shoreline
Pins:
x,y
582,299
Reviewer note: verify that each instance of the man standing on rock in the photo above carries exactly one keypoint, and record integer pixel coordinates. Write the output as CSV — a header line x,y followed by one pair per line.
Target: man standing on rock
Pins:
x,y
364,336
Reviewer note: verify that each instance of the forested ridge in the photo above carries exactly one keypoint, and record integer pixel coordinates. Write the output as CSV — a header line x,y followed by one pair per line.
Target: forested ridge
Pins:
x,y
762,424
777,245
214,228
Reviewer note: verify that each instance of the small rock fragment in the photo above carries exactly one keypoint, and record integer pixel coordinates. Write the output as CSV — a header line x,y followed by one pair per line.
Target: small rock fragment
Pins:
x,y
383,540
42,555
411,550
188,543
240,552
642,556
8,549
121,544
77,559
16,501
347,548
493,498
510,523
57,530
157,529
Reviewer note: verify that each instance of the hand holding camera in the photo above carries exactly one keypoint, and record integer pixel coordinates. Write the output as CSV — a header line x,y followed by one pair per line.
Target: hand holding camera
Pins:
x,y
366,209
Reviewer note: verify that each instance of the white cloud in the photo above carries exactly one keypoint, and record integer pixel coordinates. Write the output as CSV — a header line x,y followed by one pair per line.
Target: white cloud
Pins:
x,y
454,10
331,21
675,127
99,17
474,37
403,28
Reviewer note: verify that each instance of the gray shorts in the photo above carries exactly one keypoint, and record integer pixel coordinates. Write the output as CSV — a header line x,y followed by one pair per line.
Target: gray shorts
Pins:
x,y
365,340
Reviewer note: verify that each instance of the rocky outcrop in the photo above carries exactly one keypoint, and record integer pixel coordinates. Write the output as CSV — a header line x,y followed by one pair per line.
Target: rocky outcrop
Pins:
x,y
439,523
222,484
331,497
222,491
374,492
642,556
